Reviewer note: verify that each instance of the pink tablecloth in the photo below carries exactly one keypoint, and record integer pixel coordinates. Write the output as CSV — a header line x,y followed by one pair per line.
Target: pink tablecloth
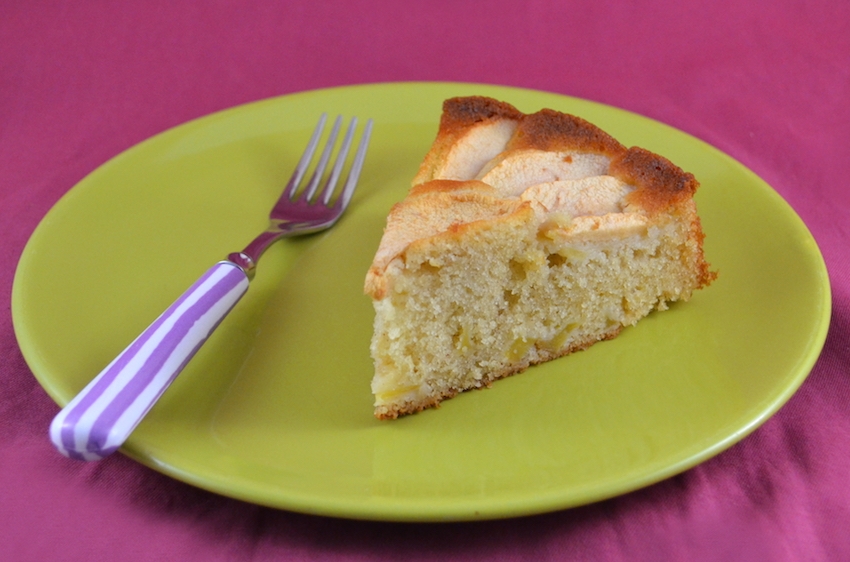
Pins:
x,y
769,84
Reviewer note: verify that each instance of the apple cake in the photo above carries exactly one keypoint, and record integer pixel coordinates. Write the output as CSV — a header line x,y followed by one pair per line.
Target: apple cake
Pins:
x,y
524,237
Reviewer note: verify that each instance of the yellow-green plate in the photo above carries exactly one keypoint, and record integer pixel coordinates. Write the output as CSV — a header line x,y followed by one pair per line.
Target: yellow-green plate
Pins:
x,y
277,410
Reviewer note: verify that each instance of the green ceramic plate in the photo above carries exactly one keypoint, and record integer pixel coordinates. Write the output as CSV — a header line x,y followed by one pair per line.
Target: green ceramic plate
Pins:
x,y
276,409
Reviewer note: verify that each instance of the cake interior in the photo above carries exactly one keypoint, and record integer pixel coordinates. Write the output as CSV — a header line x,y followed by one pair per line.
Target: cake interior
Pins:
x,y
518,294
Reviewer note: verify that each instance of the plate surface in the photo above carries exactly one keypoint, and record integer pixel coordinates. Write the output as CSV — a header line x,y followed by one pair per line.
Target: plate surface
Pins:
x,y
276,408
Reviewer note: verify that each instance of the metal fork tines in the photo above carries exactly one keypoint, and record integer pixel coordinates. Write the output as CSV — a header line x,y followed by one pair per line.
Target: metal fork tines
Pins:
x,y
102,416
299,211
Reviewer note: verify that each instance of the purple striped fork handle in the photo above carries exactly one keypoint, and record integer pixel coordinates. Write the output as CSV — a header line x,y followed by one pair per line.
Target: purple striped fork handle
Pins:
x,y
101,417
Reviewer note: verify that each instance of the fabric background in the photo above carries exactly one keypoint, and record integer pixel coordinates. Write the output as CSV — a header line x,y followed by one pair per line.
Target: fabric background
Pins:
x,y
769,84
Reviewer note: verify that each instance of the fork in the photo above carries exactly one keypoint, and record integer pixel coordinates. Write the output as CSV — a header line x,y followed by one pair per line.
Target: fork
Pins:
x,y
97,421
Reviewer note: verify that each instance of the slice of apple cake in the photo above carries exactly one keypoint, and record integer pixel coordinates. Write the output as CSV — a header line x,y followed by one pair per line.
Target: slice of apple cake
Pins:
x,y
525,237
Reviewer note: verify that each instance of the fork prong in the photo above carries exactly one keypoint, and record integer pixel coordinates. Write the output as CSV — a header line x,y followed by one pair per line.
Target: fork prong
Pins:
x,y
306,157
356,167
316,178
330,184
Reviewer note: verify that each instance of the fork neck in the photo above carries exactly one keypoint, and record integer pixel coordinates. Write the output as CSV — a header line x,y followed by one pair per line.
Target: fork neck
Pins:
x,y
247,259
244,262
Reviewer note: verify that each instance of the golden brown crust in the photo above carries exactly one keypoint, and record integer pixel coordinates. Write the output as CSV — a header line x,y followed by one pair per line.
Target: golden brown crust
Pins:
x,y
660,183
554,131
705,275
460,115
